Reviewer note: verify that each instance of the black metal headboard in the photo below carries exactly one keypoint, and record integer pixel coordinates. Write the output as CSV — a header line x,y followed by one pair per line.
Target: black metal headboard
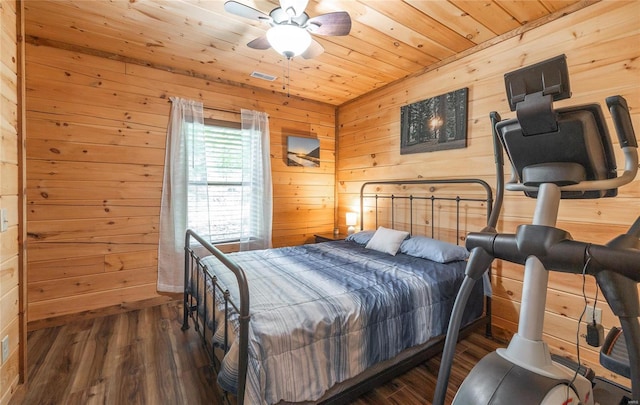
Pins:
x,y
427,193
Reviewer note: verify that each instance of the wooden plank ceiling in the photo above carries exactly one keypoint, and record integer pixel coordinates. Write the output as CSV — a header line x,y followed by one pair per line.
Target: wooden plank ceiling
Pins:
x,y
389,39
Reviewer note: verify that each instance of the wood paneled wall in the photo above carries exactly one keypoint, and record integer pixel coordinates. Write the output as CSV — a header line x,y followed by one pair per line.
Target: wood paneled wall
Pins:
x,y
95,158
9,186
603,60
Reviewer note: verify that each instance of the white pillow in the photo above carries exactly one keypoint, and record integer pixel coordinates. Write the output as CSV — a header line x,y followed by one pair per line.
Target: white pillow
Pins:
x,y
387,240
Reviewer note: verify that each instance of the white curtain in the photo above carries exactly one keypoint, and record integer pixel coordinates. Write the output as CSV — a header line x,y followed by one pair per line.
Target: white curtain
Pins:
x,y
185,182
257,212
185,163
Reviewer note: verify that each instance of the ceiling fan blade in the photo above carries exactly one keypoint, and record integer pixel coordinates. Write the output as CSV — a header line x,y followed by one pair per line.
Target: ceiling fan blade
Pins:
x,y
293,8
315,49
260,43
334,24
241,10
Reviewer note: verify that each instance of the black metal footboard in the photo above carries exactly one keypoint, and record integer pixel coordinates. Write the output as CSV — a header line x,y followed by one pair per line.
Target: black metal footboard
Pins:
x,y
197,276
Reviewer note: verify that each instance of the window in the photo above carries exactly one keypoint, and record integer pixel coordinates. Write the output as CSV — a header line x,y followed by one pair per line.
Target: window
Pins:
x,y
215,196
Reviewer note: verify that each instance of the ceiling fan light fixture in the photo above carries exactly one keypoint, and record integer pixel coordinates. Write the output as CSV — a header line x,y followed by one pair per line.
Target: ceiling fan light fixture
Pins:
x,y
288,40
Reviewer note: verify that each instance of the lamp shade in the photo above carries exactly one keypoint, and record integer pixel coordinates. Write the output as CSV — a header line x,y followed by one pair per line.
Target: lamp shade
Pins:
x,y
288,40
352,218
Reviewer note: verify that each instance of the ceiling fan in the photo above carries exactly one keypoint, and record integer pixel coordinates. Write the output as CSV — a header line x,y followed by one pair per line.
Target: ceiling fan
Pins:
x,y
291,27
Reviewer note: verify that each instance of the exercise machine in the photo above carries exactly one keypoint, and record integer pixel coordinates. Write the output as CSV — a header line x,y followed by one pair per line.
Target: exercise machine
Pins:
x,y
555,154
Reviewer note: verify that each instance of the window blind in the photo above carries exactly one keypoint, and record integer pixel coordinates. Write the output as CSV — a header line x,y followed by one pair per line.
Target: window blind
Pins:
x,y
215,197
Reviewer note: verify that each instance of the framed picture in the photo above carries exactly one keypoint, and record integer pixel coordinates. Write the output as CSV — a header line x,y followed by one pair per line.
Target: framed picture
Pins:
x,y
303,151
436,123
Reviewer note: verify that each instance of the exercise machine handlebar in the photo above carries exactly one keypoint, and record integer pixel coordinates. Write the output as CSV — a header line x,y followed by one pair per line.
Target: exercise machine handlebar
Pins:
x,y
555,249
622,121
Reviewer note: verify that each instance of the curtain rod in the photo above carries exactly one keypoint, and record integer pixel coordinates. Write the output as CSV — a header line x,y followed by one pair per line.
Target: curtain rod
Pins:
x,y
221,110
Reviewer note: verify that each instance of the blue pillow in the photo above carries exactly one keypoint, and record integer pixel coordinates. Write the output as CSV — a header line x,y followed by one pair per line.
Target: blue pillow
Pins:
x,y
433,249
361,238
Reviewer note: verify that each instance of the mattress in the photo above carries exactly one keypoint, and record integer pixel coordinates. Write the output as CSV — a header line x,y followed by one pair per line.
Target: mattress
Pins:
x,y
324,313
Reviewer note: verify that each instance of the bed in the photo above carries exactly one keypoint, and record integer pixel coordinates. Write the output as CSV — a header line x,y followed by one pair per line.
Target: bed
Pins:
x,y
326,322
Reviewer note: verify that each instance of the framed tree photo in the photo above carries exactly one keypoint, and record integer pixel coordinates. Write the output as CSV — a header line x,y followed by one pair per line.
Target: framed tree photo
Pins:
x,y
437,123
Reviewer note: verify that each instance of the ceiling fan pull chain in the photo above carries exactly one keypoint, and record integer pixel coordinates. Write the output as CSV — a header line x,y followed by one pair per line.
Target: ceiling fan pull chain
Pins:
x,y
284,77
288,76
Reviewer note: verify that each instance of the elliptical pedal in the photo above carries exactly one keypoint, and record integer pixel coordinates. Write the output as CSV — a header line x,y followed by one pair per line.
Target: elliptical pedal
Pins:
x,y
614,355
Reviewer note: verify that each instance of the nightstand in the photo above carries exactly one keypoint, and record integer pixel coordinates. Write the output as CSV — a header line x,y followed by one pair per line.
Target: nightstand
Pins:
x,y
329,236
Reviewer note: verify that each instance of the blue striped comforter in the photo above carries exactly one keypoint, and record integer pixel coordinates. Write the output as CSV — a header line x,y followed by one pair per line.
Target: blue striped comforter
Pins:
x,y
323,313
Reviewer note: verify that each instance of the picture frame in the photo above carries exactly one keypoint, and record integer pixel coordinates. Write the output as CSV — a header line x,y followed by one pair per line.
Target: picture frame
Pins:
x,y
303,151
437,123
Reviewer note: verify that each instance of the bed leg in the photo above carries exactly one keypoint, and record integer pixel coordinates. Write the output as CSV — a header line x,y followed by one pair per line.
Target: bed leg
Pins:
x,y
185,312
185,300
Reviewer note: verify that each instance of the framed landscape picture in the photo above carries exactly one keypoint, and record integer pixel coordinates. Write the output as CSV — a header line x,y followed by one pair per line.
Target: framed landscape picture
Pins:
x,y
303,151
437,123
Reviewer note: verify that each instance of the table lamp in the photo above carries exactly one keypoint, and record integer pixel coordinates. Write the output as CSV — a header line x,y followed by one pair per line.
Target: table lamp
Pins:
x,y
352,218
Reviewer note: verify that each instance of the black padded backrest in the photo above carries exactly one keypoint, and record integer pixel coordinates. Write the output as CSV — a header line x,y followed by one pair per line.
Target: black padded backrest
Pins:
x,y
581,139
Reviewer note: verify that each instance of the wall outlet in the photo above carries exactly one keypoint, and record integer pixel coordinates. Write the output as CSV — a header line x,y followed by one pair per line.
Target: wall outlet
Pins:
x,y
5,348
588,317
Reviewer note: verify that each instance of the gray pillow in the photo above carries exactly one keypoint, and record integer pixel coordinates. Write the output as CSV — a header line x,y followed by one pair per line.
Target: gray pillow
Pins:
x,y
433,249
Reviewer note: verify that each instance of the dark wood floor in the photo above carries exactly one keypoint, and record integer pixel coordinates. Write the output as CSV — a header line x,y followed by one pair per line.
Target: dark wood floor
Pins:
x,y
143,357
